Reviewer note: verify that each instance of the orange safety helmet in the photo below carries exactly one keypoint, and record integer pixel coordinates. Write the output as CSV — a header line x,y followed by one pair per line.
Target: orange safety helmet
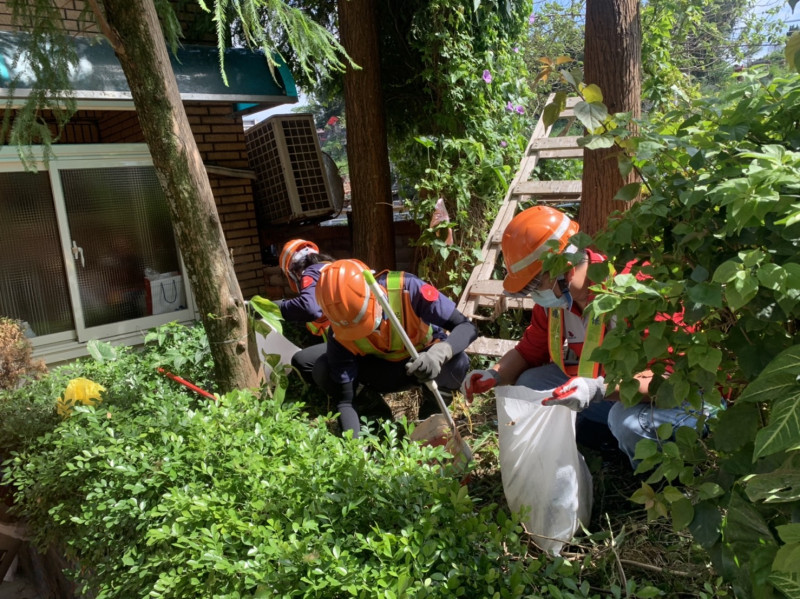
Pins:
x,y
524,243
294,250
346,299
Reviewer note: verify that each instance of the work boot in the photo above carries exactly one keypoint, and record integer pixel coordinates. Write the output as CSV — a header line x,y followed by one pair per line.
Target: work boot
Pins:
x,y
429,406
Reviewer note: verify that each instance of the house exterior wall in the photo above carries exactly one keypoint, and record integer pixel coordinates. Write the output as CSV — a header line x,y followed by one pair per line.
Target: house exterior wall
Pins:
x,y
219,135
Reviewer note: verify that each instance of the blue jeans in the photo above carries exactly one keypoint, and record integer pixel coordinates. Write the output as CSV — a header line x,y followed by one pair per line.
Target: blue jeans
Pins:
x,y
628,425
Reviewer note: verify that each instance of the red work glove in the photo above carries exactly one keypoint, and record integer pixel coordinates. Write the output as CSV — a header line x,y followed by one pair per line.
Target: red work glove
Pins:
x,y
577,393
479,381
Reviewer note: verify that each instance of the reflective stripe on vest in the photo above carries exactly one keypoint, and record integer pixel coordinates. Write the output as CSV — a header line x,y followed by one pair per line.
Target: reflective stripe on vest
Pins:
x,y
419,332
595,331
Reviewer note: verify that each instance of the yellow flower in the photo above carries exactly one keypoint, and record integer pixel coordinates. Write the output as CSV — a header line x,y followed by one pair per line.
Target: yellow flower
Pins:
x,y
81,391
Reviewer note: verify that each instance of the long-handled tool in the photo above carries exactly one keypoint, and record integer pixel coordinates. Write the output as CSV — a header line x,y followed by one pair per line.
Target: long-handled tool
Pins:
x,y
461,445
186,383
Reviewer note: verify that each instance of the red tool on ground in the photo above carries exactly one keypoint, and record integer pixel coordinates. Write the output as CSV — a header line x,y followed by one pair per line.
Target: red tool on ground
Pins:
x,y
186,383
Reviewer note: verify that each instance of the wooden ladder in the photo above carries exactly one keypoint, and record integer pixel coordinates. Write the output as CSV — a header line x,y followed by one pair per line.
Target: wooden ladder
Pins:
x,y
482,298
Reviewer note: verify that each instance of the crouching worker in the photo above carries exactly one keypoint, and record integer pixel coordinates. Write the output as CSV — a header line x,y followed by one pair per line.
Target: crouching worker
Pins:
x,y
554,352
301,263
364,350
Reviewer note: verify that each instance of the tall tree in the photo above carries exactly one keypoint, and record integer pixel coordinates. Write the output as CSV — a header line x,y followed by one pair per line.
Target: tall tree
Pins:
x,y
612,60
134,31
367,153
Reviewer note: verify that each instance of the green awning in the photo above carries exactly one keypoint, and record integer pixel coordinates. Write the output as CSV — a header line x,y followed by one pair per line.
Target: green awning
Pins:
x,y
99,79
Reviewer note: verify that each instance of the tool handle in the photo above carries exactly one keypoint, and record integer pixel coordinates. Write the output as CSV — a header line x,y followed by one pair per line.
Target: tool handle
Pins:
x,y
387,309
186,383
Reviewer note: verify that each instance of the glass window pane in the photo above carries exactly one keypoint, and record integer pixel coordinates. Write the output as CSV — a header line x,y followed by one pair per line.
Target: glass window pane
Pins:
x,y
33,283
119,218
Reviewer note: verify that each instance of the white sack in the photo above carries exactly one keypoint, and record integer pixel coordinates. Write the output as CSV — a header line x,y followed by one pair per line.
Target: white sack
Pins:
x,y
541,467
274,343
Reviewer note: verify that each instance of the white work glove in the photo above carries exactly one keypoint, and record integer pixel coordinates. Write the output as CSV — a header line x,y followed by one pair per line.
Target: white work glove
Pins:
x,y
479,381
429,363
577,393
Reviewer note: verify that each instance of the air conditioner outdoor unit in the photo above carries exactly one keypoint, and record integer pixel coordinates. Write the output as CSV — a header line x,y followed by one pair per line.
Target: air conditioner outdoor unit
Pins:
x,y
292,184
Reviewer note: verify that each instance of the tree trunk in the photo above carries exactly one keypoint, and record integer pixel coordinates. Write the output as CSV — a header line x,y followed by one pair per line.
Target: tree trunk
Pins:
x,y
139,44
367,152
612,60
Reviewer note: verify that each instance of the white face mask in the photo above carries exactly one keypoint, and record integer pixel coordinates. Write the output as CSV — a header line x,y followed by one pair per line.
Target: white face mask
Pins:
x,y
548,299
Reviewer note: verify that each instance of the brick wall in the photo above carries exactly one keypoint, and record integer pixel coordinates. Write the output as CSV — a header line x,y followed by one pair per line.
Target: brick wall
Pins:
x,y
196,24
335,241
220,139
70,11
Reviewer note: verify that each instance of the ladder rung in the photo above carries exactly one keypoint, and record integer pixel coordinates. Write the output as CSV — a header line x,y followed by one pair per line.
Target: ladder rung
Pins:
x,y
554,143
486,346
561,189
565,153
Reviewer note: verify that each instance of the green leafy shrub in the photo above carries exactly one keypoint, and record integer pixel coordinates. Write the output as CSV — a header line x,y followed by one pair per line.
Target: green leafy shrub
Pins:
x,y
127,373
719,237
170,498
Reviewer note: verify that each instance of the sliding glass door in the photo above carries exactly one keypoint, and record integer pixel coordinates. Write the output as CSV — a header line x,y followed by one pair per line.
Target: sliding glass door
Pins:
x,y
87,249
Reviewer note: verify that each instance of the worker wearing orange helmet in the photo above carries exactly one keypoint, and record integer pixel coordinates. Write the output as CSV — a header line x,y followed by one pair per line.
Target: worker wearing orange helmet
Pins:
x,y
301,263
364,349
554,353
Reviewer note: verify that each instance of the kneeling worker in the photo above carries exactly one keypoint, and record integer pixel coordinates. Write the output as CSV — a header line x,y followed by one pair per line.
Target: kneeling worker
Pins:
x,y
554,352
364,349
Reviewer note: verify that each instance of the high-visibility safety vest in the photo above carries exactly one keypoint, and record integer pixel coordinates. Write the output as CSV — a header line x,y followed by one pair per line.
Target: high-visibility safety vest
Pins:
x,y
595,331
385,343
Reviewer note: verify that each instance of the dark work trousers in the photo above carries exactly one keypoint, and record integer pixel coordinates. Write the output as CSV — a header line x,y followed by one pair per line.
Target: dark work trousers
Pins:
x,y
305,359
384,376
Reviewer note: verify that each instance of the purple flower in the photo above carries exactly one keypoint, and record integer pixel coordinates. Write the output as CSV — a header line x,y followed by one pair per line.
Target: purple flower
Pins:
x,y
515,49
503,144
487,76
520,109
531,19
510,106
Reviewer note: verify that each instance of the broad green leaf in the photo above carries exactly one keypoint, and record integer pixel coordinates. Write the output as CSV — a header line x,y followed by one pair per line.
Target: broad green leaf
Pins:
x,y
772,276
591,115
786,584
101,351
269,311
737,427
592,93
673,494
745,527
792,51
742,291
726,271
605,303
625,165
705,526
783,430
778,379
787,560
596,142
705,294
550,114
682,512
782,485
569,78
789,533
629,192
